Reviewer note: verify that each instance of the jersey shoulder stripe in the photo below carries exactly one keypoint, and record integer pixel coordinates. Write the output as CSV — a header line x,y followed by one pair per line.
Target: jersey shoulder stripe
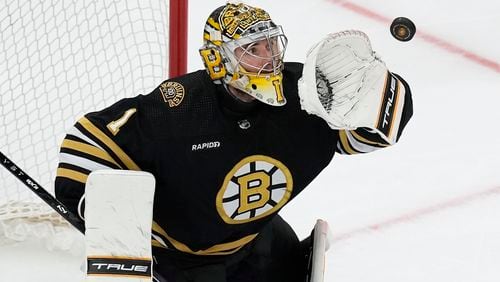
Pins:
x,y
77,158
92,131
87,150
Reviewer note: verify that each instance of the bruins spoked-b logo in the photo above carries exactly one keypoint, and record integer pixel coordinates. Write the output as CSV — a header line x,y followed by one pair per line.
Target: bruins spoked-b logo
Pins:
x,y
256,187
172,93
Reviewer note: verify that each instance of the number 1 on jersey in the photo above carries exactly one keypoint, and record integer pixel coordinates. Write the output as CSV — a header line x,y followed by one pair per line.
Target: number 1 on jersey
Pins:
x,y
115,125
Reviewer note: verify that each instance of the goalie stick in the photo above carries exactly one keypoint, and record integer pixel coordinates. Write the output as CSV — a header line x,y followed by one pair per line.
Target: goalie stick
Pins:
x,y
42,193
319,242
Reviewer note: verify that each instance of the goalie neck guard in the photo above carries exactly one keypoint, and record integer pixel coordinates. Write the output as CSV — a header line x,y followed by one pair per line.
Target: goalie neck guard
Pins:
x,y
244,49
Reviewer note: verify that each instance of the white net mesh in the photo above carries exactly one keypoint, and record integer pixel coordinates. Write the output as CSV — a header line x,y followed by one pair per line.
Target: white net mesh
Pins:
x,y
23,220
60,59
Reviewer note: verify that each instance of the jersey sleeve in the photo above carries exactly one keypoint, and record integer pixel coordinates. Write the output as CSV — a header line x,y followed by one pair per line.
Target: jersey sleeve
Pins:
x,y
90,145
365,140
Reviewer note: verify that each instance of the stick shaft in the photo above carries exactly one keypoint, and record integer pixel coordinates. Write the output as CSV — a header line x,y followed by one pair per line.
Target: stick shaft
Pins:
x,y
42,193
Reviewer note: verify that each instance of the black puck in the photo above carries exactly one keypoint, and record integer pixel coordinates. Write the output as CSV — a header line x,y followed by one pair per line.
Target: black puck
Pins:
x,y
403,29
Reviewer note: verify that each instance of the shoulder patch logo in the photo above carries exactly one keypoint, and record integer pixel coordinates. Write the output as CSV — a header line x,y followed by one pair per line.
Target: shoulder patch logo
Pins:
x,y
172,93
256,187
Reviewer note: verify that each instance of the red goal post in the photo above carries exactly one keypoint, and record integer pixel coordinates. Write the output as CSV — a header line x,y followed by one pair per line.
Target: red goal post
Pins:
x,y
178,37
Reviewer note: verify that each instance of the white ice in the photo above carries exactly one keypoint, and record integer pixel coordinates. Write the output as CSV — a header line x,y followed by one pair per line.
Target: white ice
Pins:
x,y
427,209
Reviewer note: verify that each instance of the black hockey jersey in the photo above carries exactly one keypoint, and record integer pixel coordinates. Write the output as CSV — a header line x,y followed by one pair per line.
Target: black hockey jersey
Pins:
x,y
220,177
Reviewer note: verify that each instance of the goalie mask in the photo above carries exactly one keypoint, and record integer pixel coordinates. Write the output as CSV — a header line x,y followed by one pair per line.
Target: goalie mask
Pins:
x,y
244,49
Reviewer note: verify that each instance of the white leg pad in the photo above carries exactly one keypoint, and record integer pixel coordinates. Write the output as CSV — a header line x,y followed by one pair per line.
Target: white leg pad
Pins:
x,y
118,218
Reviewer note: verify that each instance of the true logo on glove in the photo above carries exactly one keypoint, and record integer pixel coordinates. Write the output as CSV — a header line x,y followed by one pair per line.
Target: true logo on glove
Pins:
x,y
386,116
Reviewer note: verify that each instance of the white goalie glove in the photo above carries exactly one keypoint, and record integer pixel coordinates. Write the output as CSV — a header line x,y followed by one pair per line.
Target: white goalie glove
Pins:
x,y
346,83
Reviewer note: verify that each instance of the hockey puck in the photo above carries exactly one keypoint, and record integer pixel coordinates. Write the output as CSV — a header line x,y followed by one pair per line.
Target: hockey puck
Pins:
x,y
403,29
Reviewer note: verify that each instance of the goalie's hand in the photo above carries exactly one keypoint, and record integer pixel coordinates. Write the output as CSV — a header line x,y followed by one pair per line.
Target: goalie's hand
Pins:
x,y
345,83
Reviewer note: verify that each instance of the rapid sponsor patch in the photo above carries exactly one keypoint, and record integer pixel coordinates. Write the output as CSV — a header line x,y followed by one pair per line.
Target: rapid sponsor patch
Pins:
x,y
205,145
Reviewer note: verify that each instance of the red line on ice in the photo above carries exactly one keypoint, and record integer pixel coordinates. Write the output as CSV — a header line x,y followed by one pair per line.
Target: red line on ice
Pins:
x,y
416,214
427,37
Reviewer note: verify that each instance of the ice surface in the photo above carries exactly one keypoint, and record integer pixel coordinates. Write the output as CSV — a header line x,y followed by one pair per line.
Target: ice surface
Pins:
x,y
424,210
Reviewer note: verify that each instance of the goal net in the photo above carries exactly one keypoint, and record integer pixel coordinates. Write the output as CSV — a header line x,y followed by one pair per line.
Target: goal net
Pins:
x,y
60,59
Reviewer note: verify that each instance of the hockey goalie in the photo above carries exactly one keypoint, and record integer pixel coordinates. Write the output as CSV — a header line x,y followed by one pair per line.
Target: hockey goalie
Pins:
x,y
276,126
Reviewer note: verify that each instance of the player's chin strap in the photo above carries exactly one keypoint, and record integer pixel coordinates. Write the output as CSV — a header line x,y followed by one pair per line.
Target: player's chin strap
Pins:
x,y
347,84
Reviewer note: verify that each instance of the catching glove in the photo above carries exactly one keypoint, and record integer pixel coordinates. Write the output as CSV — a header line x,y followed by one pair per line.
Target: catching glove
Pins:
x,y
347,84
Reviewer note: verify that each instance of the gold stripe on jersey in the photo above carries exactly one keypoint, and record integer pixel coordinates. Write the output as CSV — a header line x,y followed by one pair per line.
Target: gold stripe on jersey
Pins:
x,y
155,243
344,142
218,249
72,174
96,132
366,141
88,149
